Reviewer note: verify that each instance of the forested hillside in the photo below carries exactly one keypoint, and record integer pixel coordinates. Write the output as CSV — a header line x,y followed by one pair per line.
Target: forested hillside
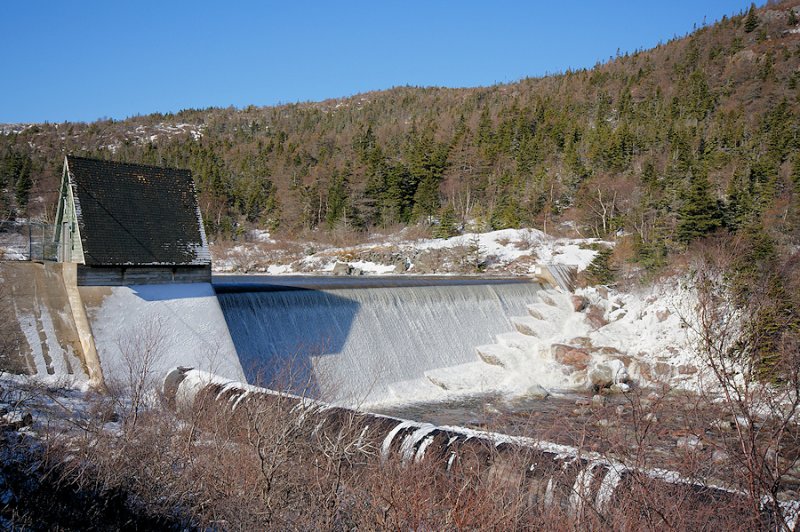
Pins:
x,y
667,145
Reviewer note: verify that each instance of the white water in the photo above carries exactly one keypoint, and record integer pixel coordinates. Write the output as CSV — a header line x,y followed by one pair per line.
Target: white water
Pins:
x,y
350,345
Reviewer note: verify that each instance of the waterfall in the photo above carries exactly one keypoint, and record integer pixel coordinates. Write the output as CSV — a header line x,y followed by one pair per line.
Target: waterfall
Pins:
x,y
349,345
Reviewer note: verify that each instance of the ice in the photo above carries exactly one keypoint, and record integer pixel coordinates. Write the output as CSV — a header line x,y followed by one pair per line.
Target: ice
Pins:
x,y
407,448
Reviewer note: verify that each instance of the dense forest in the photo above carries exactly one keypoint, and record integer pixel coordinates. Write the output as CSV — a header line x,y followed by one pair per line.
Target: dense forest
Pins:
x,y
666,145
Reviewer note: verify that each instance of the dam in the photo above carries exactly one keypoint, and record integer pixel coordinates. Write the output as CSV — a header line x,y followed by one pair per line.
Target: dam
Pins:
x,y
372,340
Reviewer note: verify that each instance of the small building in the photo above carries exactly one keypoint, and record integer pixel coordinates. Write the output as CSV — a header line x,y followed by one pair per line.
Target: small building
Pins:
x,y
126,224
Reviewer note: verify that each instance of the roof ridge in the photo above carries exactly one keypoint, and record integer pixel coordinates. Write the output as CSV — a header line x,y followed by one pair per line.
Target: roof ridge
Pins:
x,y
124,163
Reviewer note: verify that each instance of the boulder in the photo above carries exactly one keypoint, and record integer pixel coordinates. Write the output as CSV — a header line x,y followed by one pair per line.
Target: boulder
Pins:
x,y
341,268
579,303
607,373
689,443
663,314
581,341
537,392
568,355
719,456
619,387
595,317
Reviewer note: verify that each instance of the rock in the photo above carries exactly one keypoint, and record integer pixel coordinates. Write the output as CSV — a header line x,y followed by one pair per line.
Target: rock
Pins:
x,y
579,303
650,418
582,411
341,268
581,341
662,370
595,317
14,422
537,392
603,291
609,372
574,357
601,376
607,350
719,456
687,369
598,400
689,443
619,387
662,314
620,410
743,422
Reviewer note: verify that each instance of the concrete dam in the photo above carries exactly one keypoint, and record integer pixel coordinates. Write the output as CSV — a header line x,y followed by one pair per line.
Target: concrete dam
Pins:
x,y
368,341
365,342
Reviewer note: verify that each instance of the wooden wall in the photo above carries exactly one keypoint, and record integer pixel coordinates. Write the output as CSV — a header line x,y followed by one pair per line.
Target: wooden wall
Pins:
x,y
128,275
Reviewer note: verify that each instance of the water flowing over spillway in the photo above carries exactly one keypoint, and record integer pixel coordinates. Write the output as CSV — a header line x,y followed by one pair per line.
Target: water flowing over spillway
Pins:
x,y
353,345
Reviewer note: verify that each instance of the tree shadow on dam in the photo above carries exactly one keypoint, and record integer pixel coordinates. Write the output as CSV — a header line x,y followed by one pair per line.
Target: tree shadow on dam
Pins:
x,y
278,331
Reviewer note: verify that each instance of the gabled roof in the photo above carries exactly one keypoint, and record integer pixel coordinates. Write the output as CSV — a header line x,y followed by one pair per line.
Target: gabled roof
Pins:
x,y
131,214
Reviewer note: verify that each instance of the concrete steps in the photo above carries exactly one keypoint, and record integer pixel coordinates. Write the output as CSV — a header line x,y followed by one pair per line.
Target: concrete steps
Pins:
x,y
519,341
500,355
531,326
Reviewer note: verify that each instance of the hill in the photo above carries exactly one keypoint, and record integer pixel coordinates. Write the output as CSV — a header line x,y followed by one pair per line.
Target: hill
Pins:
x,y
667,145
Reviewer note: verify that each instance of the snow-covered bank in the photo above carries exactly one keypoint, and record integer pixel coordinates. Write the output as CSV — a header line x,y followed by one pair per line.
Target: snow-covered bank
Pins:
x,y
512,251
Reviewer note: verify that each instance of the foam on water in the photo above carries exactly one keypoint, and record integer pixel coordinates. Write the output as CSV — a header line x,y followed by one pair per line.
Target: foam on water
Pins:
x,y
349,345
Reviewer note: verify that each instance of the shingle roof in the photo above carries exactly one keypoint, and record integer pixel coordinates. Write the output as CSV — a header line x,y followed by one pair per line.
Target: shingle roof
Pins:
x,y
130,214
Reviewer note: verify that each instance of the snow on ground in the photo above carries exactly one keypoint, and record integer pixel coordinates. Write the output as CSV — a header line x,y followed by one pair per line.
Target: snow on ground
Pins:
x,y
515,251
372,267
654,326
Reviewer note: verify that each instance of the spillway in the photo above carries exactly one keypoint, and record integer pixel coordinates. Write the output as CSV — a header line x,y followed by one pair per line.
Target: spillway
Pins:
x,y
352,341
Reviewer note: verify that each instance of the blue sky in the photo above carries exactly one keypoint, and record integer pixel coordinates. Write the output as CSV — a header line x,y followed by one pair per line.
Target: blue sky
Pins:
x,y
83,60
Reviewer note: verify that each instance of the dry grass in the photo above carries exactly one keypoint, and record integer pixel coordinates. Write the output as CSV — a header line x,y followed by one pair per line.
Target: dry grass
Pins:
x,y
269,465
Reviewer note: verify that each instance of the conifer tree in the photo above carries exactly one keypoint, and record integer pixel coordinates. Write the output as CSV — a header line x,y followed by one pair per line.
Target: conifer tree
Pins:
x,y
699,214
447,223
751,21
600,270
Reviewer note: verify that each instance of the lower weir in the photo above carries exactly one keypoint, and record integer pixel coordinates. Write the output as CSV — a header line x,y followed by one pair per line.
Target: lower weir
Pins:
x,y
351,345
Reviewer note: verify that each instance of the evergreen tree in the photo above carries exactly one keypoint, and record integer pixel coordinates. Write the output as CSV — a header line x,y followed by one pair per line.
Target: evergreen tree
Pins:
x,y
600,270
338,200
447,223
751,21
699,214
